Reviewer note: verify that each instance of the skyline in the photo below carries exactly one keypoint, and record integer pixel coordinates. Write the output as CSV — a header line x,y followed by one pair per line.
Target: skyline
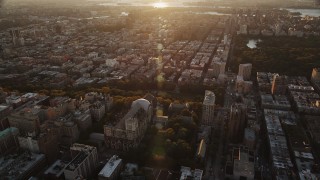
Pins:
x,y
162,91
237,3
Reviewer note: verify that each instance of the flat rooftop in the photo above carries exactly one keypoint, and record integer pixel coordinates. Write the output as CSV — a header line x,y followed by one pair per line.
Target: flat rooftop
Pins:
x,y
209,98
15,166
77,161
84,152
11,130
56,168
3,107
110,167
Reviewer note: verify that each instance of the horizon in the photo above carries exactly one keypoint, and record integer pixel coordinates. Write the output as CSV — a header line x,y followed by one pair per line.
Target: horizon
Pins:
x,y
159,90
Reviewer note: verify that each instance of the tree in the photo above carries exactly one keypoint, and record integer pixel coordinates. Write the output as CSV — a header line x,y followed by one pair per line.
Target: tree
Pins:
x,y
185,112
44,92
58,93
170,133
182,133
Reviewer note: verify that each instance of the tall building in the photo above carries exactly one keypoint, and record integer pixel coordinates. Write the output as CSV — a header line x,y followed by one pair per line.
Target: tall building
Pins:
x,y
66,130
83,119
16,38
8,139
3,95
241,164
243,86
315,76
245,71
218,68
84,162
208,108
92,96
130,129
109,102
5,110
278,31
279,84
278,146
249,138
97,110
60,105
98,103
243,29
13,100
239,84
46,143
237,122
225,39
26,120
69,131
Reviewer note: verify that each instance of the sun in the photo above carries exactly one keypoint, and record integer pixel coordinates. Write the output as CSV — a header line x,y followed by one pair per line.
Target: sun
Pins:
x,y
160,5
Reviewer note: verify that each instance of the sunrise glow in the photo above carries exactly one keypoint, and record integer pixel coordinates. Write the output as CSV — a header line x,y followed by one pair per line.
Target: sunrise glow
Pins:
x,y
160,5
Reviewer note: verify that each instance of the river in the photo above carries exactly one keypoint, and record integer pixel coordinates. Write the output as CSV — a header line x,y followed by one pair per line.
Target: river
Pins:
x,y
307,12
304,12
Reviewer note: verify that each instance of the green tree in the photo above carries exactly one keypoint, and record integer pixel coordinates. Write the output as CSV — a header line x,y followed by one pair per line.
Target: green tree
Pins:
x,y
170,133
182,133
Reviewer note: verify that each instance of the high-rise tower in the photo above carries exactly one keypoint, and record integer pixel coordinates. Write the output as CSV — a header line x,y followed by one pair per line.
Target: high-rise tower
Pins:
x,y
245,71
208,108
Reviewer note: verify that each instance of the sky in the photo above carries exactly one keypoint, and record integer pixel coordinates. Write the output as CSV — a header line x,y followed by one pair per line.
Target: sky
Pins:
x,y
1,2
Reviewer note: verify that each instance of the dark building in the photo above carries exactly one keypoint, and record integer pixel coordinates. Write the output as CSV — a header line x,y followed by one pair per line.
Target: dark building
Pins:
x,y
237,122
129,130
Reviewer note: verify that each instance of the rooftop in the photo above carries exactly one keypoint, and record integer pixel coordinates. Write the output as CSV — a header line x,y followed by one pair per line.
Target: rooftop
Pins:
x,y
77,161
209,98
3,107
56,168
187,173
84,151
246,65
307,175
15,166
11,130
134,110
110,167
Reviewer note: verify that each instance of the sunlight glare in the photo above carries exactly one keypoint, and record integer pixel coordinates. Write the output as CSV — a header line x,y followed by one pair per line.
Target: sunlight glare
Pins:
x,y
160,5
